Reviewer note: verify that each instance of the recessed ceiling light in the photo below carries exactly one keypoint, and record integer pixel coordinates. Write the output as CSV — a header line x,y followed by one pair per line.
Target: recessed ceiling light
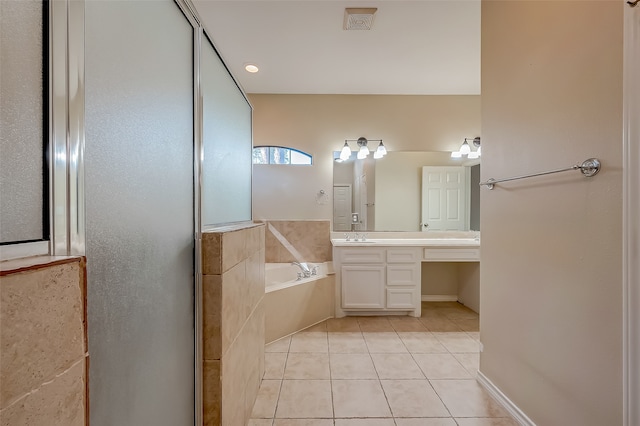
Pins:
x,y
252,68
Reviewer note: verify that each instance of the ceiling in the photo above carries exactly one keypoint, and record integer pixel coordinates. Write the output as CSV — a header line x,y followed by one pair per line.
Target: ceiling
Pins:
x,y
419,47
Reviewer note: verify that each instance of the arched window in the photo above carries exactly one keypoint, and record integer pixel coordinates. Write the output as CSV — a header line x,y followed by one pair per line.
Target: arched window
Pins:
x,y
280,155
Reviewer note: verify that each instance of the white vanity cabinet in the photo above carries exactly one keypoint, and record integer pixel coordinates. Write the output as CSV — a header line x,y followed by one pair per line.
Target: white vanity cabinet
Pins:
x,y
375,279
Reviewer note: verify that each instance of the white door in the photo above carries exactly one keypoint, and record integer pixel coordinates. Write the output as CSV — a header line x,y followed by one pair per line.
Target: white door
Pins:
x,y
342,208
445,193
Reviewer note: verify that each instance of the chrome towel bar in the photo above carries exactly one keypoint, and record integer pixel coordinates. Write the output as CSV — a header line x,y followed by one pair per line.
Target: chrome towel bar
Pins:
x,y
588,168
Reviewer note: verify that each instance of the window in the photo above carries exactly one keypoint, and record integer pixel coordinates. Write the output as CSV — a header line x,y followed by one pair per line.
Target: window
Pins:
x,y
280,155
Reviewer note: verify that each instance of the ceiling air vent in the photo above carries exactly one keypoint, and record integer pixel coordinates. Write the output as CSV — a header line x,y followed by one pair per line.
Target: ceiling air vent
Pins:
x,y
359,18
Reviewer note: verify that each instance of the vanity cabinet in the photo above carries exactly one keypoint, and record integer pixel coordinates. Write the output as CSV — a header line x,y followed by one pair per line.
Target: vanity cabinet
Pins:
x,y
374,279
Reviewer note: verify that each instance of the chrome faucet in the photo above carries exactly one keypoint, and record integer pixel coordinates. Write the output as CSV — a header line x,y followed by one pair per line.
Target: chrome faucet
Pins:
x,y
306,272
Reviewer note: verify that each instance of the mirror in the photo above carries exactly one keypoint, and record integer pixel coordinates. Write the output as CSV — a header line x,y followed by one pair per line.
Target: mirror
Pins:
x,y
387,195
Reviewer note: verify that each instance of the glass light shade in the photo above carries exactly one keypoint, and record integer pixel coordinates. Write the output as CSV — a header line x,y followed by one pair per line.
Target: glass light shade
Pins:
x,y
479,151
363,152
465,149
473,154
456,154
345,153
377,155
382,151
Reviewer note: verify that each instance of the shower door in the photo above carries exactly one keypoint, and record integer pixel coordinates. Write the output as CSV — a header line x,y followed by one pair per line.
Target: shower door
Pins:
x,y
139,213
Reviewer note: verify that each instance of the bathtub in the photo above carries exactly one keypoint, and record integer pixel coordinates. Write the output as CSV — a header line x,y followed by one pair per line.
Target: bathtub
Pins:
x,y
292,305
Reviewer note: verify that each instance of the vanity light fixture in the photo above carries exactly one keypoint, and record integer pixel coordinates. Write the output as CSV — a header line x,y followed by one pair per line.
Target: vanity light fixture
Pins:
x,y
465,149
363,150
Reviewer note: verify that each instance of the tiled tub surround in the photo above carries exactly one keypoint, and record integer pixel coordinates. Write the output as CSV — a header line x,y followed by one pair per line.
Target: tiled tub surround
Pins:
x,y
43,358
233,316
311,238
379,371
292,305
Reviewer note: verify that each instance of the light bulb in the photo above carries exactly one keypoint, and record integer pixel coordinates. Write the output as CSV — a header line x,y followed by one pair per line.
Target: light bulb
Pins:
x,y
346,152
465,149
363,152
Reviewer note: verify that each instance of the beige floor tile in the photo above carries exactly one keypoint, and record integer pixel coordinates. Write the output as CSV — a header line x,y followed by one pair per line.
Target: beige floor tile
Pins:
x,y
281,345
440,324
458,342
365,422
426,422
466,398
384,343
267,399
352,366
422,343
300,399
310,366
303,422
470,361
260,422
345,324
359,398
397,366
459,313
486,422
471,325
413,398
274,365
410,324
320,327
441,366
347,342
309,342
374,324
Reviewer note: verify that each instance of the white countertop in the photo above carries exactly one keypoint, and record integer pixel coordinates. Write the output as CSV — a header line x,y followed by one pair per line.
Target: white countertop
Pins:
x,y
408,242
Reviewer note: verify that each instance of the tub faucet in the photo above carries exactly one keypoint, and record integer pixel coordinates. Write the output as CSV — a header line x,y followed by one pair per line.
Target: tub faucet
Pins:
x,y
306,272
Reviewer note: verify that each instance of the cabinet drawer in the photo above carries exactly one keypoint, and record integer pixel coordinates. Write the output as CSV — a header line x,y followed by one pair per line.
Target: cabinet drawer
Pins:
x,y
405,275
397,255
362,255
401,298
458,254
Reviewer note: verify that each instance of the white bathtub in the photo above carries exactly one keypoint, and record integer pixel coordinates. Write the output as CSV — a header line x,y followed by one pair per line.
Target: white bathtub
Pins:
x,y
292,305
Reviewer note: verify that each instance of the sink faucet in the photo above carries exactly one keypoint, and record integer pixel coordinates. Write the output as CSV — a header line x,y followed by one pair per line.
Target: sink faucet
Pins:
x,y
306,272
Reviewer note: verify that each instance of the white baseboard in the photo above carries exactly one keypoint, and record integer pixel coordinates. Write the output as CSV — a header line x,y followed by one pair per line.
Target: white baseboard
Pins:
x,y
502,399
439,298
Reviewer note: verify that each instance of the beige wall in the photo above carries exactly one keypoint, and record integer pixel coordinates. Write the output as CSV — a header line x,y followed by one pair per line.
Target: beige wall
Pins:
x,y
551,246
319,125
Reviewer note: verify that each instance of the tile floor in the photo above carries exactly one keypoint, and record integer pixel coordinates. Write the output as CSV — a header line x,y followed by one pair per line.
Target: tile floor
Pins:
x,y
379,371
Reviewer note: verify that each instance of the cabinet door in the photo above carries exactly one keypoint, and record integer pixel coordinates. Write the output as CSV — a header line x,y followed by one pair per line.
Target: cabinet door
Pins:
x,y
363,286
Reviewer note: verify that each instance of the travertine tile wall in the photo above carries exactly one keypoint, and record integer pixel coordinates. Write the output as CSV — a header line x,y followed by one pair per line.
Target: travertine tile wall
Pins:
x,y
43,358
311,238
233,316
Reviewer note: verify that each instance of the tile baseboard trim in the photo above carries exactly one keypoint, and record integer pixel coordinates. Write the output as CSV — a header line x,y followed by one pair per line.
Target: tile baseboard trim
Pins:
x,y
503,400
439,298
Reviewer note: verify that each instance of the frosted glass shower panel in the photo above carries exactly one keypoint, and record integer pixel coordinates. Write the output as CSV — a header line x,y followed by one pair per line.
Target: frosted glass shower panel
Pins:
x,y
21,121
226,183
139,213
